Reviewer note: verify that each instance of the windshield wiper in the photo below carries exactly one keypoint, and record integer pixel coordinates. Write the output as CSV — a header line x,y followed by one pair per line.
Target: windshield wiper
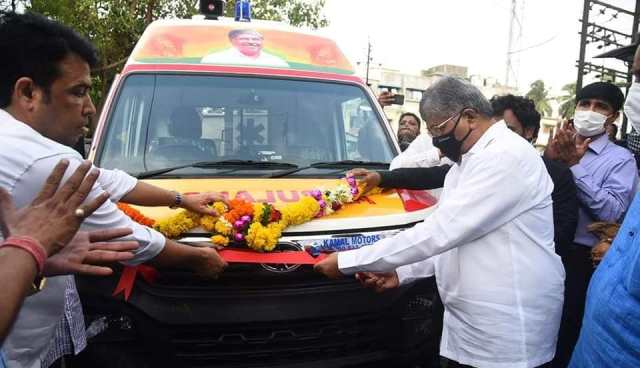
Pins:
x,y
343,164
349,163
237,164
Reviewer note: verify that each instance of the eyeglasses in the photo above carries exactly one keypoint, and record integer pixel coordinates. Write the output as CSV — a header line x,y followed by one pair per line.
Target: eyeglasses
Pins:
x,y
437,130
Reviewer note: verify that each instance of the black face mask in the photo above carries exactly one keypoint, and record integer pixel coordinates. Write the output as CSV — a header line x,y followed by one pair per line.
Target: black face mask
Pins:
x,y
449,145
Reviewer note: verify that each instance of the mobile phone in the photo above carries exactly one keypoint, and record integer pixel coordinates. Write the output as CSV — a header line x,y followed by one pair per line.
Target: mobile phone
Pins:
x,y
398,99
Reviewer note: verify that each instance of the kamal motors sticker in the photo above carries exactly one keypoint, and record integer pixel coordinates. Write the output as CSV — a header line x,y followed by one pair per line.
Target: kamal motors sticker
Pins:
x,y
339,244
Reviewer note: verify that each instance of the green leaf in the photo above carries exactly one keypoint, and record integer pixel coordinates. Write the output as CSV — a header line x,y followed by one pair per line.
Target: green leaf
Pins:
x,y
539,94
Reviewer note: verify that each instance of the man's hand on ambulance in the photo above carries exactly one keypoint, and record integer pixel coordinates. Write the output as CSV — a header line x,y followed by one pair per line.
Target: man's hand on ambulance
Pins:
x,y
199,203
329,267
379,282
207,263
371,179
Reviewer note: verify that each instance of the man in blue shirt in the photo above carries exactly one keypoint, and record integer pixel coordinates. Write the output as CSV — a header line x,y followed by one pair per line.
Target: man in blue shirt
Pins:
x,y
606,178
610,335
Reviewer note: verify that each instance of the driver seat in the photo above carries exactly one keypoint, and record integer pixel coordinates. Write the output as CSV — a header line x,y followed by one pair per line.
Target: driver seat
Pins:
x,y
186,143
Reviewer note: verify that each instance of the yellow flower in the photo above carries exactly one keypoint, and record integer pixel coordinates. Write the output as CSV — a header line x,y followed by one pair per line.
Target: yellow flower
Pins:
x,y
220,208
223,227
258,209
220,240
300,212
264,238
178,224
208,222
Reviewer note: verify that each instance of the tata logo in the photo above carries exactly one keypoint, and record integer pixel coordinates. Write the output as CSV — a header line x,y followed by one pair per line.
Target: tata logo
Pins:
x,y
284,268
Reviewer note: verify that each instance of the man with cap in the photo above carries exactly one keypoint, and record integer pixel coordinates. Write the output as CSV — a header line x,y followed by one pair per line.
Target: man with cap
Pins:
x,y
614,290
606,178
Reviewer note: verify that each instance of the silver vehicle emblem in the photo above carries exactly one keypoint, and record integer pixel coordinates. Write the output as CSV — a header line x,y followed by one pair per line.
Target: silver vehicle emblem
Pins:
x,y
284,268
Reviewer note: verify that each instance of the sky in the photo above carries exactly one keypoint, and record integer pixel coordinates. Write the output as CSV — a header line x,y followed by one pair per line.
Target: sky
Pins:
x,y
412,35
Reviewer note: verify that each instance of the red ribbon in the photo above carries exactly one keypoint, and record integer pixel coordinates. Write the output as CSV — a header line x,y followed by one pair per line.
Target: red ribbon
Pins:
x,y
128,278
416,200
149,274
248,256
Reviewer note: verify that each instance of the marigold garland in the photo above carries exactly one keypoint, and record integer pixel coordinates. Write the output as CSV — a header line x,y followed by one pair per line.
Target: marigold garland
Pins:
x,y
209,222
220,240
305,210
259,225
136,215
223,227
239,208
180,223
264,238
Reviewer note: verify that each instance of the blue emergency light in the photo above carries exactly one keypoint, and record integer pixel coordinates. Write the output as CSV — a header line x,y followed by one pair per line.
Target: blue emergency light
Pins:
x,y
243,11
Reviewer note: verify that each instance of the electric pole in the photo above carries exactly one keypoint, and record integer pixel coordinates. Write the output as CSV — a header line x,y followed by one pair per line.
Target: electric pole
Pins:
x,y
368,59
515,37
509,67
606,35
598,33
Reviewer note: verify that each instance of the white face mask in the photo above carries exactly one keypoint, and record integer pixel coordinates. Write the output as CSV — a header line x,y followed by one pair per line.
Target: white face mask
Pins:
x,y
589,123
632,106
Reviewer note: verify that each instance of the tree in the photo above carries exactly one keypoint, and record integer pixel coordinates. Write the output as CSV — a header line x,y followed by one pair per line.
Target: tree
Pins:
x,y
568,101
539,94
114,26
295,12
12,5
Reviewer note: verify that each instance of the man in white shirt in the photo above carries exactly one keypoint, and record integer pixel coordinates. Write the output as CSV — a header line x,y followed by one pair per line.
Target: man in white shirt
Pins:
x,y
489,242
408,129
420,153
44,105
247,50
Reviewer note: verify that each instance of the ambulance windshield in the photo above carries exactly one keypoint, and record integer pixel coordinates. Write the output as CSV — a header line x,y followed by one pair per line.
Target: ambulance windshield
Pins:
x,y
161,121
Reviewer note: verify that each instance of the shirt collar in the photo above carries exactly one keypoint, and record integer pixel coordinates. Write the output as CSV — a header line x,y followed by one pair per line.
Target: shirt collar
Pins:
x,y
487,137
599,144
6,117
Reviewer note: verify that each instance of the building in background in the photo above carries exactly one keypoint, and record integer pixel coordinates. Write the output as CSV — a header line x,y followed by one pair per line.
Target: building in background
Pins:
x,y
412,85
457,71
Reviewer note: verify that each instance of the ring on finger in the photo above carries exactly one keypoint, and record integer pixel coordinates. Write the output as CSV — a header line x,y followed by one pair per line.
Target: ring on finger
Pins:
x,y
79,213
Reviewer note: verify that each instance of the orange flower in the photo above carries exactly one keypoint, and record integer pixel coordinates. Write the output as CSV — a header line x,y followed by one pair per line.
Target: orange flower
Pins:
x,y
238,209
136,215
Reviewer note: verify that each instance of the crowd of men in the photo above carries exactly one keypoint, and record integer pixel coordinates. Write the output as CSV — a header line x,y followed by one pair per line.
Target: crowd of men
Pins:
x,y
594,178
510,243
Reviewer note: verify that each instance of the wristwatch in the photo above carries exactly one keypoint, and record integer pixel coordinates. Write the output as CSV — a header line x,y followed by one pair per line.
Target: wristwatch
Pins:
x,y
177,202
